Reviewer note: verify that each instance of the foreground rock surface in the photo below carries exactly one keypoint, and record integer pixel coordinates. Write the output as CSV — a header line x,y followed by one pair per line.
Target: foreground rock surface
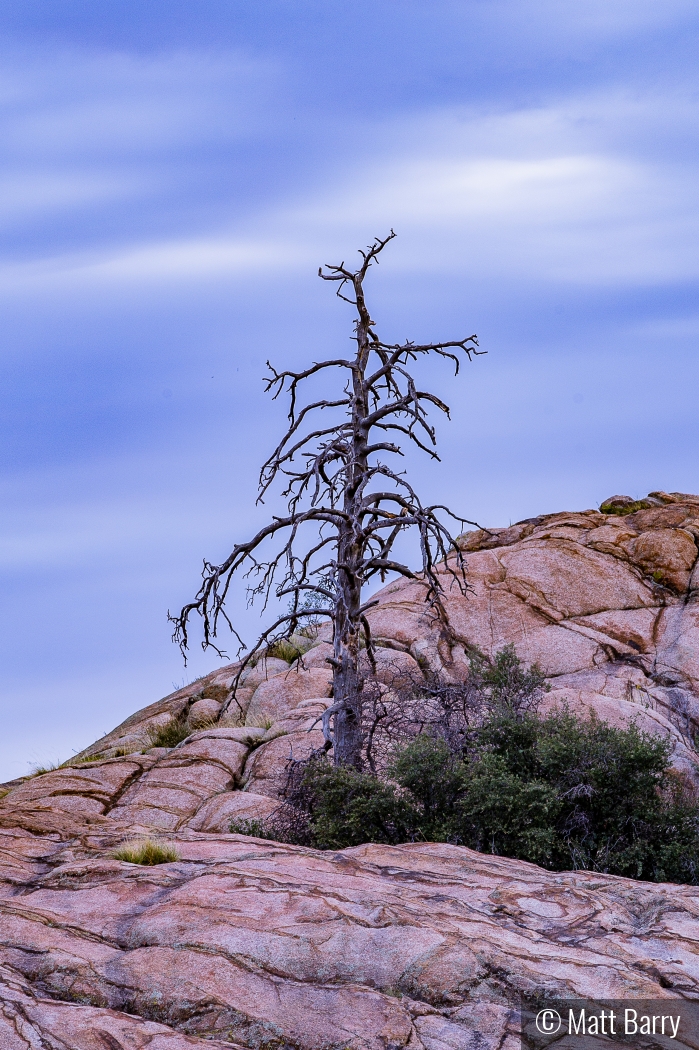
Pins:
x,y
251,944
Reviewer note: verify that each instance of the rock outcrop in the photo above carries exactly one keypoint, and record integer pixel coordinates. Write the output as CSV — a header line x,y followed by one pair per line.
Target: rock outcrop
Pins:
x,y
607,604
249,943
253,944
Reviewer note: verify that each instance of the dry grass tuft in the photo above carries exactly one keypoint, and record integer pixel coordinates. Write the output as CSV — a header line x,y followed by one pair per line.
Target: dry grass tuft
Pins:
x,y
215,692
122,752
50,767
170,734
233,719
290,649
259,723
146,851
204,723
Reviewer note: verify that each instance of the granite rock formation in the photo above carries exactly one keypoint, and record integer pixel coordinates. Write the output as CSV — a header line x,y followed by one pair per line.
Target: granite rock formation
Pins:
x,y
248,943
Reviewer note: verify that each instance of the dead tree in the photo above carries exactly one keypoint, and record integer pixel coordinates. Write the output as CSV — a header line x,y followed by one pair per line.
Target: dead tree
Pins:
x,y
345,505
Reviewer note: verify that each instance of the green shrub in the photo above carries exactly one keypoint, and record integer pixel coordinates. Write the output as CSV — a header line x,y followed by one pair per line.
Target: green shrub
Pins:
x,y
488,773
568,794
146,851
504,684
481,804
350,808
555,791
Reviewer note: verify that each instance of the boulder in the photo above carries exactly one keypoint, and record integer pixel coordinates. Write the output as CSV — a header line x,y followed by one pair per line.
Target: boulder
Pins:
x,y
253,676
265,668
173,790
217,813
265,772
203,711
668,555
317,656
283,692
394,667
302,718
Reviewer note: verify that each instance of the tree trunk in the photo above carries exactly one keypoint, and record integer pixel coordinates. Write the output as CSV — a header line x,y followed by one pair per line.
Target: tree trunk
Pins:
x,y
347,679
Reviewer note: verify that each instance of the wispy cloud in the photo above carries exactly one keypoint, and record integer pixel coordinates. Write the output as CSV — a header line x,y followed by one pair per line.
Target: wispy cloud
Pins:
x,y
580,26
28,195
86,103
539,193
100,148
148,265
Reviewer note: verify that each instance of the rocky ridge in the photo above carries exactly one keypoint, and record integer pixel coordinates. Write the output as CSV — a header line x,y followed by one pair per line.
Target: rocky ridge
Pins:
x,y
249,943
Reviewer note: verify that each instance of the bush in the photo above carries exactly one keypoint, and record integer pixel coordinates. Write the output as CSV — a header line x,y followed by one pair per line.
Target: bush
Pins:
x,y
147,851
479,803
473,764
561,793
503,684
349,808
556,791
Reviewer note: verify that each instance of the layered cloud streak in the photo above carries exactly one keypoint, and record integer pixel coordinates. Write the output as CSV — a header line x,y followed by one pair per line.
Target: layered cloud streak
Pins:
x,y
164,208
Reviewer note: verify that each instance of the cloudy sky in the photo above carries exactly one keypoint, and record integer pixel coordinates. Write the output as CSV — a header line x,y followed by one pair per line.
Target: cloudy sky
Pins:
x,y
172,174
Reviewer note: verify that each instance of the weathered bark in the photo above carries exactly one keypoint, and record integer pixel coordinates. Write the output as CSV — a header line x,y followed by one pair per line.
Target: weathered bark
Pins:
x,y
347,680
355,528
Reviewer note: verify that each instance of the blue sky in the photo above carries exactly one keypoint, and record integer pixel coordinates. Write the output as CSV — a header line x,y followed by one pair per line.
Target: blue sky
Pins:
x,y
171,176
